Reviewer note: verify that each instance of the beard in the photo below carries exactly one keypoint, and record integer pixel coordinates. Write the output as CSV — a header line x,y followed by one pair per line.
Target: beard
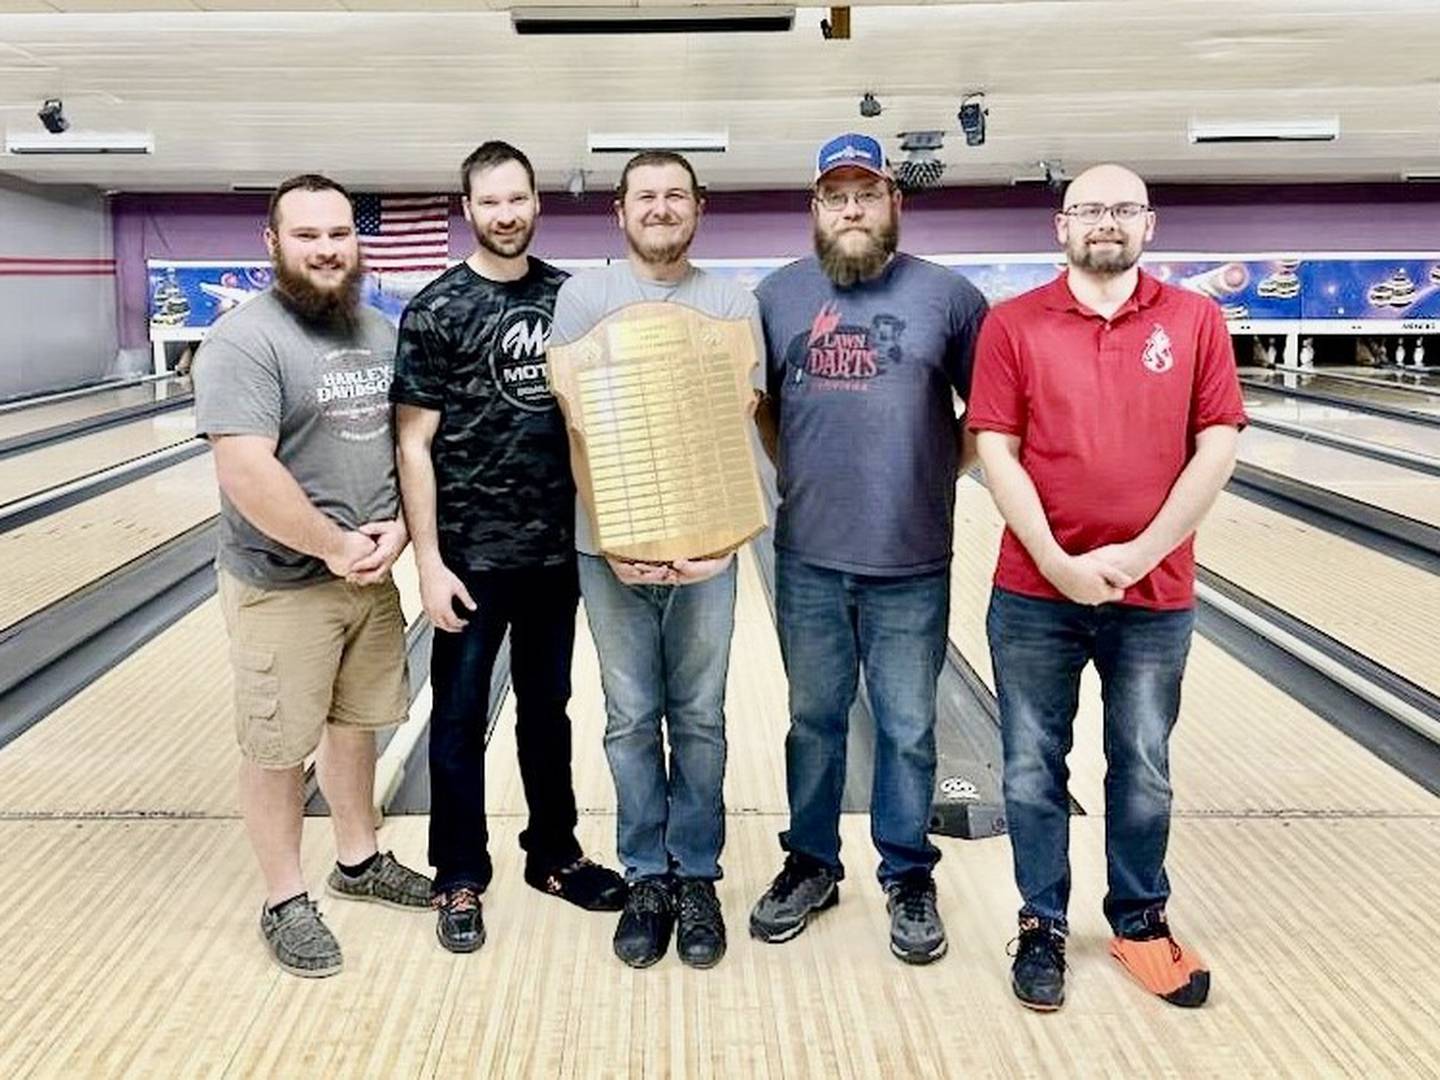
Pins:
x,y
1108,262
507,246
336,306
657,252
846,268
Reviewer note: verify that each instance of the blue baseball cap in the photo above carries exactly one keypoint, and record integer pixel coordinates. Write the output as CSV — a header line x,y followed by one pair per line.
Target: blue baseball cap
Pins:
x,y
851,150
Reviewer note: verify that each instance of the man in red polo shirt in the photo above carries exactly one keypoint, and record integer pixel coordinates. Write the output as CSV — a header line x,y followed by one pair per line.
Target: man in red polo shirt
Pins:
x,y
1106,408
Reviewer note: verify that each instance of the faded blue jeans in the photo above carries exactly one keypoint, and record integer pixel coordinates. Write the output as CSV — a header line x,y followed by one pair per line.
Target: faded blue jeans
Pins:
x,y
664,654
1039,648
831,624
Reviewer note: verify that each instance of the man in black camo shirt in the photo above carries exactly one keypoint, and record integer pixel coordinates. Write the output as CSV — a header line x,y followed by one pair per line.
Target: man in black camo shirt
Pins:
x,y
485,479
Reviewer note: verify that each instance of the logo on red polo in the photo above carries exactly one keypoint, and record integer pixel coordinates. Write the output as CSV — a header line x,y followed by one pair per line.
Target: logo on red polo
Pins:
x,y
1157,356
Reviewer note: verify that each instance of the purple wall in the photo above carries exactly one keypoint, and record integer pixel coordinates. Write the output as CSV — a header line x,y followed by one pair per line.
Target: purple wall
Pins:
x,y
1216,219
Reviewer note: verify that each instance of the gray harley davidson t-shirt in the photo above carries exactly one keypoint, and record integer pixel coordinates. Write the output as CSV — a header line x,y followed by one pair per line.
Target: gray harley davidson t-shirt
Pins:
x,y
323,393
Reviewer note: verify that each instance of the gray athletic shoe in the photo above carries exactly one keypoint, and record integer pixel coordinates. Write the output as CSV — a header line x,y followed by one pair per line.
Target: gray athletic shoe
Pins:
x,y
299,941
801,889
386,881
917,935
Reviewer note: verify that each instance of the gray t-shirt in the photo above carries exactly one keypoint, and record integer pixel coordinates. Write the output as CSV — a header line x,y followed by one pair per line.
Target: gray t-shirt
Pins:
x,y
591,295
324,396
863,379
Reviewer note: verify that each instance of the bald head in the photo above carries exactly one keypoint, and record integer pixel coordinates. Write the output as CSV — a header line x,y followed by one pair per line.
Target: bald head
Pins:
x,y
1106,222
1106,184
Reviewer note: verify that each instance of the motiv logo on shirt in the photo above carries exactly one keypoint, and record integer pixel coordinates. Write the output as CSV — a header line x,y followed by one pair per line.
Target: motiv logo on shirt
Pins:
x,y
517,361
352,392
1157,356
845,354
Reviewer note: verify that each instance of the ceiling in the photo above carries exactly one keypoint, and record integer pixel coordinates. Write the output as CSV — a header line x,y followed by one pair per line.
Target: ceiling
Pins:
x,y
391,96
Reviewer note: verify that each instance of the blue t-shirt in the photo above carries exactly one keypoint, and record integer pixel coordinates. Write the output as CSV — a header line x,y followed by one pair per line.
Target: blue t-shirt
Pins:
x,y
863,379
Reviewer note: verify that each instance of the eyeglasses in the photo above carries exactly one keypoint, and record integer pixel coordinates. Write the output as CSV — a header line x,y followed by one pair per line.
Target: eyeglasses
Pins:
x,y
1092,213
866,198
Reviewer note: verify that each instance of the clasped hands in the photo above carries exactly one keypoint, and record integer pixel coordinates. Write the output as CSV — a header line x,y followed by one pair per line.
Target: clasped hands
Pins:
x,y
1098,576
679,572
364,555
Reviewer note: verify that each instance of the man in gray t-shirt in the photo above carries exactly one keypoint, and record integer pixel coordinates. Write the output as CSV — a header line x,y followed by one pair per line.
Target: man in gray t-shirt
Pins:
x,y
292,391
868,350
662,632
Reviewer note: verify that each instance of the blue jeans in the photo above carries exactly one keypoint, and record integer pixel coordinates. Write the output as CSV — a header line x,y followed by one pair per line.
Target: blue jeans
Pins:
x,y
1039,648
664,653
831,623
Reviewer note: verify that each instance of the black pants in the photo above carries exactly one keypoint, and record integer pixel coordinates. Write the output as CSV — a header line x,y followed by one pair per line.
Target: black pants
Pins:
x,y
538,607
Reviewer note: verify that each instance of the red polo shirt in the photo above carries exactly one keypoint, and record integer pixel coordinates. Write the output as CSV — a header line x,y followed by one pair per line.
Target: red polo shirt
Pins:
x,y
1107,413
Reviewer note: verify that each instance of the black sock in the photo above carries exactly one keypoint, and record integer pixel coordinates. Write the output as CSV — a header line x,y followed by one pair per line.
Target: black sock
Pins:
x,y
298,898
359,868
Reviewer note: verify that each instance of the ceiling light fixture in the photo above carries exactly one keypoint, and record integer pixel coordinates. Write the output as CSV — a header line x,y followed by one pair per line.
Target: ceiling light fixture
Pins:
x,y
633,142
1324,130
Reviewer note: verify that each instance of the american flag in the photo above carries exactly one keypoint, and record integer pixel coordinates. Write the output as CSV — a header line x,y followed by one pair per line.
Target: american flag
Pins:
x,y
403,234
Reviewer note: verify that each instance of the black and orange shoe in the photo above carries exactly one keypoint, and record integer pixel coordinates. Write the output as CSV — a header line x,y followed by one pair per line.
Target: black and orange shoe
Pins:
x,y
1159,963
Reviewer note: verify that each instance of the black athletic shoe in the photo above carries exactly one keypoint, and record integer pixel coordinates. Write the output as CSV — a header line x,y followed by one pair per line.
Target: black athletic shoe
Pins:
x,y
700,937
458,924
1038,974
583,883
643,933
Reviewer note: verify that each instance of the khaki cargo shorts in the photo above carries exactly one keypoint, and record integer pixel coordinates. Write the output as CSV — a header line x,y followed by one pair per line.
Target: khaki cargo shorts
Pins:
x,y
328,653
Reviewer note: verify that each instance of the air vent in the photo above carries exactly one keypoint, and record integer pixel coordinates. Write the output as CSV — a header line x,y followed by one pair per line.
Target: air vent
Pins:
x,y
660,20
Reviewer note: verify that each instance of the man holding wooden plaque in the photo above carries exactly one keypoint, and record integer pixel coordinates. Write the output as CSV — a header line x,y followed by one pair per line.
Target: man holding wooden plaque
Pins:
x,y
653,362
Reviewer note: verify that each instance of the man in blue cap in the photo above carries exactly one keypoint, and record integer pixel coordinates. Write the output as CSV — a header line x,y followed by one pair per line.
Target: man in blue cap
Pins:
x,y
868,350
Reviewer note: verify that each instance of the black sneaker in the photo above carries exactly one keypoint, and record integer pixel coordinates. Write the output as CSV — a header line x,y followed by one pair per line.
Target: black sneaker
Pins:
x,y
643,933
1038,974
700,938
458,923
917,935
802,888
583,883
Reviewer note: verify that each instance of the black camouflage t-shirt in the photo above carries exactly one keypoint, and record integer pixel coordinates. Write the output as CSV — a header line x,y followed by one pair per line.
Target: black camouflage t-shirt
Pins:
x,y
474,349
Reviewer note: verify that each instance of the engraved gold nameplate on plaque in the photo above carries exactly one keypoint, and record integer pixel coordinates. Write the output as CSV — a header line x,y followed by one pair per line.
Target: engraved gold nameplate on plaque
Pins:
x,y
656,398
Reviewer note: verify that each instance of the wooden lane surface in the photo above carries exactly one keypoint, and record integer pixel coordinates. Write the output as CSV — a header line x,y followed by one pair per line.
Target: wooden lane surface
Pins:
x,y
59,463
39,417
1241,746
47,559
152,737
1377,605
1318,932
1395,488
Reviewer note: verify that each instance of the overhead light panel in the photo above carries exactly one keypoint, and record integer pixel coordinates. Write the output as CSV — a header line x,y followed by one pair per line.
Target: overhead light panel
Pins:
x,y
80,142
657,20
633,142
1258,131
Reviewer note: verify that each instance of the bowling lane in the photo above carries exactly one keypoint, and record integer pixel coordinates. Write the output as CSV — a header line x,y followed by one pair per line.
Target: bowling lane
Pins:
x,y
152,737
51,557
1402,491
1352,387
1383,431
59,463
1234,750
31,418
1377,605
